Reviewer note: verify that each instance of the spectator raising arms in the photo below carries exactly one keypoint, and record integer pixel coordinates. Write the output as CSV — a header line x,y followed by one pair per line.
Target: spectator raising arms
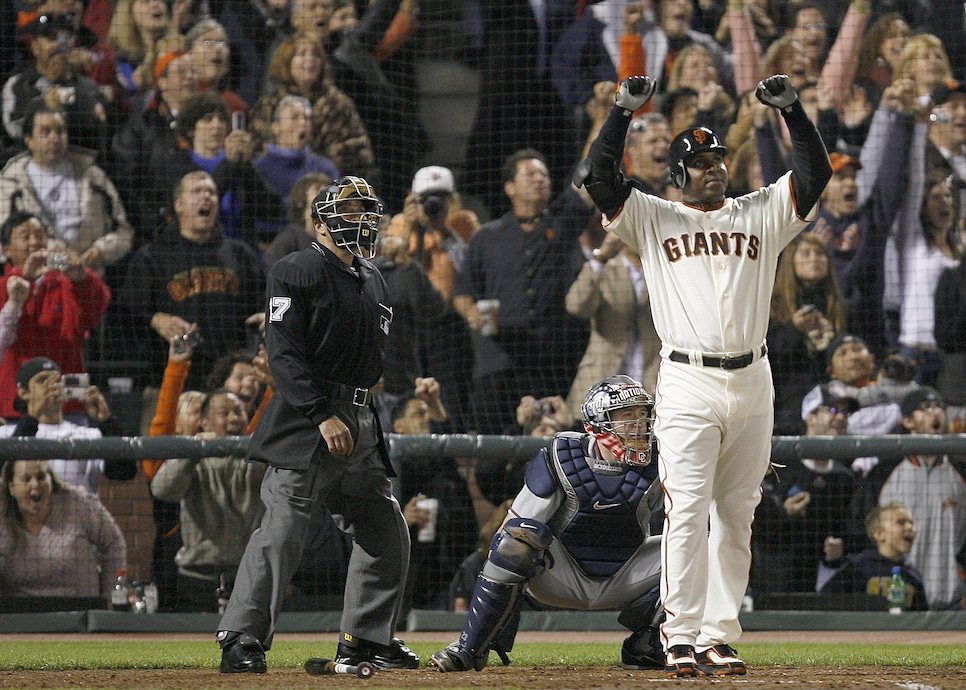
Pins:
x,y
66,301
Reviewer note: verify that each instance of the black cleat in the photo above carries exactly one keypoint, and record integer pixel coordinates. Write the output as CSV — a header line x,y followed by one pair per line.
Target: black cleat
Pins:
x,y
384,657
720,660
642,651
455,658
244,655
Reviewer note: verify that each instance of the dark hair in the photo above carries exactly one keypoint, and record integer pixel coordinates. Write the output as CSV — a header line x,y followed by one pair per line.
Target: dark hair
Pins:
x,y
793,8
198,107
14,220
510,164
221,369
209,396
670,101
9,508
399,409
898,367
295,209
34,108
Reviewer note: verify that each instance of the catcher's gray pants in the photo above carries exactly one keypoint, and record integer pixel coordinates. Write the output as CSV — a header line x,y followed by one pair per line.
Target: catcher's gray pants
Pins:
x,y
357,493
566,586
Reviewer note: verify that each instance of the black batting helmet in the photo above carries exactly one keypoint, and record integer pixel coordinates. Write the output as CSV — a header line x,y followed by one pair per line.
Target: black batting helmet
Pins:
x,y
686,144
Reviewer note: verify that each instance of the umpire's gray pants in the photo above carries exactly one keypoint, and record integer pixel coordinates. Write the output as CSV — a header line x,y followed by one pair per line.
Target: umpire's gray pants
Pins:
x,y
357,492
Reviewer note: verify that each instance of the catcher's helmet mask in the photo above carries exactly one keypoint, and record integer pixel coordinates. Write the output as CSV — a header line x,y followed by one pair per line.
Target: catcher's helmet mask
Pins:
x,y
350,210
633,436
686,144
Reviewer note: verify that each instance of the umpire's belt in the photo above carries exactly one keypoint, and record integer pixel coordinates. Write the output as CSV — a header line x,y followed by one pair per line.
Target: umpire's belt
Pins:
x,y
349,394
720,361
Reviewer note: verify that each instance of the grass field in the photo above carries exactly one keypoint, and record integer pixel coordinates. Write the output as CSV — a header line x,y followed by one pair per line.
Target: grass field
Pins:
x,y
117,654
541,661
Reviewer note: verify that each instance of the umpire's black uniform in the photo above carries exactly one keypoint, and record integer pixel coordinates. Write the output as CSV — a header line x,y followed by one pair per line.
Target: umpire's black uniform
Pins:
x,y
326,326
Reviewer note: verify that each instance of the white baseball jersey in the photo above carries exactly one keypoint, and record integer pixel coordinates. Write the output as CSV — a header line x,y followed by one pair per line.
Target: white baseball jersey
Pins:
x,y
711,273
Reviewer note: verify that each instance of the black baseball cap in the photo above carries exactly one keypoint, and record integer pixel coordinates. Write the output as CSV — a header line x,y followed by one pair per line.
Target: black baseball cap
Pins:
x,y
838,341
915,398
50,24
945,91
32,367
842,403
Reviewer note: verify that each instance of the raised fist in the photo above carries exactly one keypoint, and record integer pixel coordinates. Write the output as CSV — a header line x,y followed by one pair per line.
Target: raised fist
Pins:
x,y
635,92
776,91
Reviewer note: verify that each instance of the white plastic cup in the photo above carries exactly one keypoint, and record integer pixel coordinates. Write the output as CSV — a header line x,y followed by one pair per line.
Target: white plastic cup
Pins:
x,y
427,533
490,311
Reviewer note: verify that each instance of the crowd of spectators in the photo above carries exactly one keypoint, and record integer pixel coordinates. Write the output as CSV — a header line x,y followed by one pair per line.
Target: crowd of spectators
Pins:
x,y
156,158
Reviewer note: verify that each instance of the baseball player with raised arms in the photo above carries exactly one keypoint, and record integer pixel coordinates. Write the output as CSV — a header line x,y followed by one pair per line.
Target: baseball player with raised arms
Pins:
x,y
710,263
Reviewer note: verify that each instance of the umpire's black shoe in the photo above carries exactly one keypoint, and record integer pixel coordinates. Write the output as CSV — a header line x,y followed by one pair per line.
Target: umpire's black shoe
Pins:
x,y
244,655
383,656
642,651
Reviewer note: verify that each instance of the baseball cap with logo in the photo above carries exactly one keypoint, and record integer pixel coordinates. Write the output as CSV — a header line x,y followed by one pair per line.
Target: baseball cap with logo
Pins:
x,y
27,371
840,160
838,341
914,399
839,403
50,24
32,367
434,179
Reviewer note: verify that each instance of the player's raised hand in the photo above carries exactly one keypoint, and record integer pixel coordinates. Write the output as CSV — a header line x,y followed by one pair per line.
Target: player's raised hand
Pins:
x,y
776,91
634,92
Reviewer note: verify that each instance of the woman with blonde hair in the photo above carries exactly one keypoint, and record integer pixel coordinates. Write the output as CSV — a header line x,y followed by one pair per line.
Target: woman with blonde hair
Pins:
x,y
924,60
807,311
299,67
694,68
136,27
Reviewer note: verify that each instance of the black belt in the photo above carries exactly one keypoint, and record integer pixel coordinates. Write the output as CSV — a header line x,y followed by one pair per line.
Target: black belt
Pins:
x,y
727,362
349,394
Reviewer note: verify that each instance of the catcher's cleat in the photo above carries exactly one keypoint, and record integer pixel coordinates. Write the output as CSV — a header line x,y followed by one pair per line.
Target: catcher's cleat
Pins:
x,y
639,654
383,656
244,655
720,660
679,662
456,658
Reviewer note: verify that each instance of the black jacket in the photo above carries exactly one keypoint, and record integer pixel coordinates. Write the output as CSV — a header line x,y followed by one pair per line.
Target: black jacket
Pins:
x,y
216,284
325,323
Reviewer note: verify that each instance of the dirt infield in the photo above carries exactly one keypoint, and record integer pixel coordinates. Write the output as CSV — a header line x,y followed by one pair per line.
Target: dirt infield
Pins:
x,y
537,678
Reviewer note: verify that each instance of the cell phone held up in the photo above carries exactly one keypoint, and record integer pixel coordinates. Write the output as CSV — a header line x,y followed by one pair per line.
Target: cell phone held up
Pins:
x,y
187,340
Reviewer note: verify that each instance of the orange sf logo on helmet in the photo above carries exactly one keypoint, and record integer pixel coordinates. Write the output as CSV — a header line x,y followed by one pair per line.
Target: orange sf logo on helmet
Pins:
x,y
700,135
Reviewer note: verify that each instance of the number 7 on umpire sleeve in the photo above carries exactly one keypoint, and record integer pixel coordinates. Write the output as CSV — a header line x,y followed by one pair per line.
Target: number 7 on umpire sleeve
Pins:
x,y
279,305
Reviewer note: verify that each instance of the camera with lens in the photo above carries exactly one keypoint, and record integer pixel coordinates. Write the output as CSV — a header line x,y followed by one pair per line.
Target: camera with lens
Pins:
x,y
75,385
57,261
187,340
433,204
542,409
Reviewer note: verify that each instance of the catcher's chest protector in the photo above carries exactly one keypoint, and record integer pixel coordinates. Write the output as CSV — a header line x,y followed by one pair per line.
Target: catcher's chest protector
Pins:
x,y
598,522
